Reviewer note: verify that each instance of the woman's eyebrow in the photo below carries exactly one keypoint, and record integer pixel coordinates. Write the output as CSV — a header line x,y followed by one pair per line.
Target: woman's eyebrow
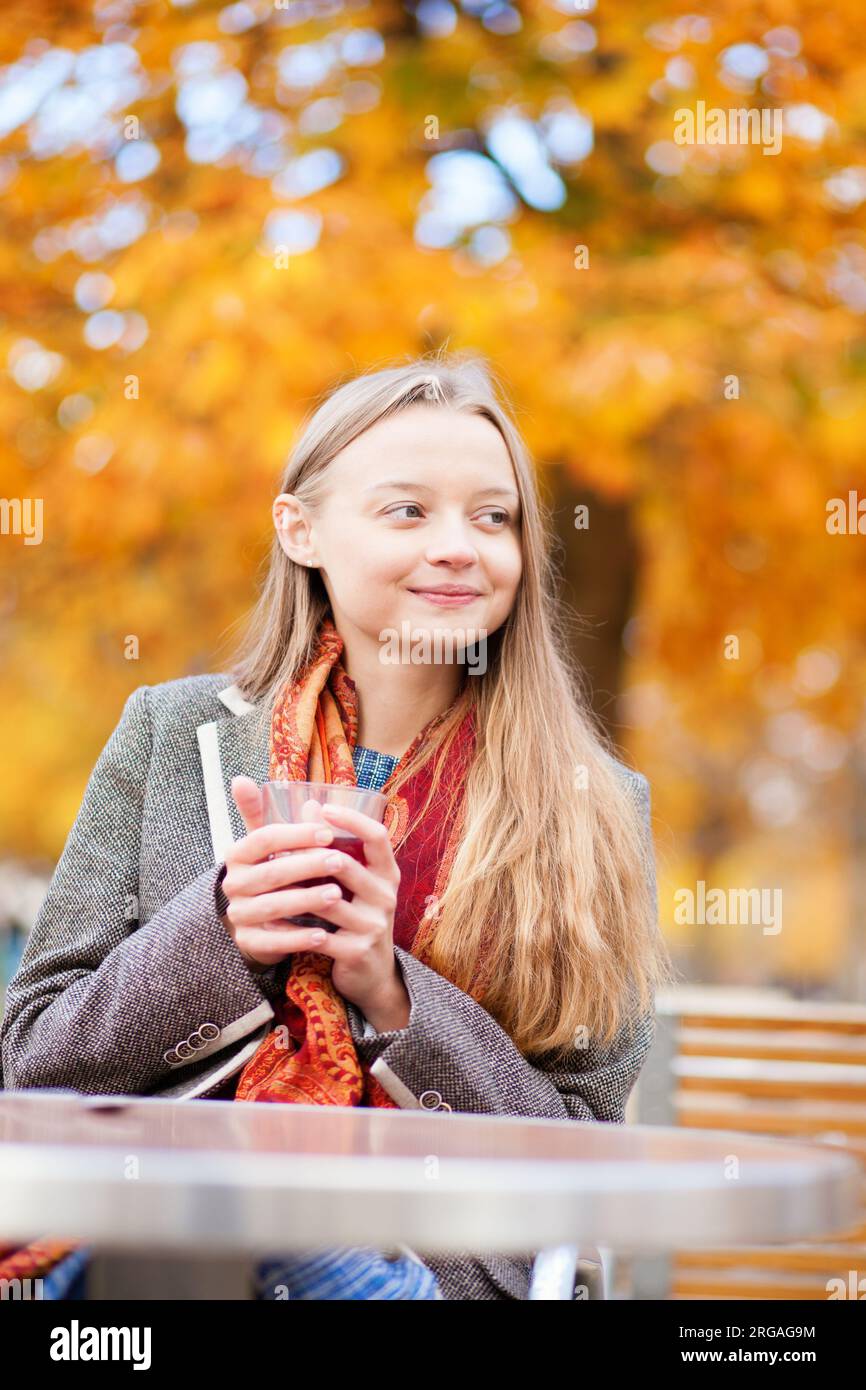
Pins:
x,y
422,487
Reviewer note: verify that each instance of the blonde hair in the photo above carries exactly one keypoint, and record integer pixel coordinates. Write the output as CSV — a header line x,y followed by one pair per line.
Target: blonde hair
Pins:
x,y
555,880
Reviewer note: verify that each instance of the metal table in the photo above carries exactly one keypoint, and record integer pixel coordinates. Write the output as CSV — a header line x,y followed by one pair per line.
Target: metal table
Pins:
x,y
211,1185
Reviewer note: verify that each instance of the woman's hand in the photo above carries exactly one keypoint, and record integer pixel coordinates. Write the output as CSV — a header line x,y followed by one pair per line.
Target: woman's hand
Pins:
x,y
259,888
365,968
260,894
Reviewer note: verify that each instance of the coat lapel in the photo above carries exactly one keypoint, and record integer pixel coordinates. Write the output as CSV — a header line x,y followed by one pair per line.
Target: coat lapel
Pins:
x,y
230,747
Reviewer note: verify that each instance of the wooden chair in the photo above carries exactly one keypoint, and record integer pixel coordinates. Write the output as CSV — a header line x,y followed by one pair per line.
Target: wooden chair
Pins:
x,y
760,1063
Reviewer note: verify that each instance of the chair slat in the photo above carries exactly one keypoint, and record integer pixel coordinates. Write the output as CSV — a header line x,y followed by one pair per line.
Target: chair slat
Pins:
x,y
831,1260
781,1046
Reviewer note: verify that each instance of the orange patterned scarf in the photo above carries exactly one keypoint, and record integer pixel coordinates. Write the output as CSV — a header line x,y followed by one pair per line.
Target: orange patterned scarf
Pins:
x,y
314,728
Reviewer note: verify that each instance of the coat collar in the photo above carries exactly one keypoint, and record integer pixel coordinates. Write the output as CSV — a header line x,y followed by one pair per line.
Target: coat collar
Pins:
x,y
230,747
234,700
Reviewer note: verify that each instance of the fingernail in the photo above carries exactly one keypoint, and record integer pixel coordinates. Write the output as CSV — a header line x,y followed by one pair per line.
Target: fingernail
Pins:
x,y
330,894
324,837
333,861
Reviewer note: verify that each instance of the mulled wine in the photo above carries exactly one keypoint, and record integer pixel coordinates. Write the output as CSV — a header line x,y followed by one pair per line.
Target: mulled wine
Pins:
x,y
348,844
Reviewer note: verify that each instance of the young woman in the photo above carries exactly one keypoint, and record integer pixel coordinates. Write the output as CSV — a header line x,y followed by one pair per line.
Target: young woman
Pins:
x,y
500,952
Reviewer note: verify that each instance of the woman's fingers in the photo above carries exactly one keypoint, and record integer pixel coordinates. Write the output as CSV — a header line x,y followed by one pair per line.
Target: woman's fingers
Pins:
x,y
283,871
372,833
267,947
248,800
370,887
273,907
264,868
351,917
271,839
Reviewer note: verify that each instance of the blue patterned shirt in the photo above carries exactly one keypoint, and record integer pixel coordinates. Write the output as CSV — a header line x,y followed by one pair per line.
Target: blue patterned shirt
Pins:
x,y
372,768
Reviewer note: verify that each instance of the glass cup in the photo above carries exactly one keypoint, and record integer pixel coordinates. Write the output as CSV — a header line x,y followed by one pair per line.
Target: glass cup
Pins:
x,y
298,802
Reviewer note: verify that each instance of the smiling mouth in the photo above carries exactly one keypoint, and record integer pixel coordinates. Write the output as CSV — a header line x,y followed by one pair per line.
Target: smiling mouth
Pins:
x,y
445,599
449,593
448,590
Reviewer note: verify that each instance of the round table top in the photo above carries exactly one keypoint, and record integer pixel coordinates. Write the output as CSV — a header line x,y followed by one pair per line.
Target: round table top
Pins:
x,y
129,1172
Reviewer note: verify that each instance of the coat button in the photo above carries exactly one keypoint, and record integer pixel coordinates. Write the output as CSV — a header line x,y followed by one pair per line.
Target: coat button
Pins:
x,y
196,1041
430,1100
208,1031
184,1050
171,1057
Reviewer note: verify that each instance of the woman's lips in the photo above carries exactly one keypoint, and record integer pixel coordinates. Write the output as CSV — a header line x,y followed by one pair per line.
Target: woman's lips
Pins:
x,y
445,600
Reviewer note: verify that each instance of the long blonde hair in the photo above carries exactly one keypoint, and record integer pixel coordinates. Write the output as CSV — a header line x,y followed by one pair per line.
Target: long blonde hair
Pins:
x,y
553,871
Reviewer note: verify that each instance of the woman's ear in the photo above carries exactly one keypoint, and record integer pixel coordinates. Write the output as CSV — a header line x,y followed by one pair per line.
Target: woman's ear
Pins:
x,y
294,532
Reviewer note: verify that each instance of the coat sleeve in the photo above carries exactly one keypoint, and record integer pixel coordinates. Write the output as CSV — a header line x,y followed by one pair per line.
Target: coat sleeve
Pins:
x,y
100,1003
452,1047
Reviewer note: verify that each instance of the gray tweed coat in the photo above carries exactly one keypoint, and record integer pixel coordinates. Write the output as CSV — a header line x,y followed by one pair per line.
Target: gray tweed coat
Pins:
x,y
129,983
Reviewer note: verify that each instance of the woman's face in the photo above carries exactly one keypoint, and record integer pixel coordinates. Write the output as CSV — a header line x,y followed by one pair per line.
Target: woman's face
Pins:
x,y
423,500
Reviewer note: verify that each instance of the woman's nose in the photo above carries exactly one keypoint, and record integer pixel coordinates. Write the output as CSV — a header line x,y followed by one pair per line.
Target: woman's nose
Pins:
x,y
452,551
454,546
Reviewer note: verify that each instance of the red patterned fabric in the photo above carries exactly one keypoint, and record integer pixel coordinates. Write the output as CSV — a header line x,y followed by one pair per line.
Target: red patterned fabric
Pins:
x,y
309,1057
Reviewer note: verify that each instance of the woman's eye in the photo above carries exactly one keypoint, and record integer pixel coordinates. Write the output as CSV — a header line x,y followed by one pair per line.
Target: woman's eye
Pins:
x,y
497,511
402,508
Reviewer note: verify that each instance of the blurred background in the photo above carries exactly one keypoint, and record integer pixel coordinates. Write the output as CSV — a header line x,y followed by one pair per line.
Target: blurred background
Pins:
x,y
213,212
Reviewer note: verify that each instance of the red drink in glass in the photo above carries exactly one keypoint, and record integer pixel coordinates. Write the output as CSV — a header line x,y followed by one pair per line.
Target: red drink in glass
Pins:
x,y
296,802
346,844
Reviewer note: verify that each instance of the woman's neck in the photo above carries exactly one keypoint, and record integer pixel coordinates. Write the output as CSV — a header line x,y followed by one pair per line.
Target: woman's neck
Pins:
x,y
395,701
